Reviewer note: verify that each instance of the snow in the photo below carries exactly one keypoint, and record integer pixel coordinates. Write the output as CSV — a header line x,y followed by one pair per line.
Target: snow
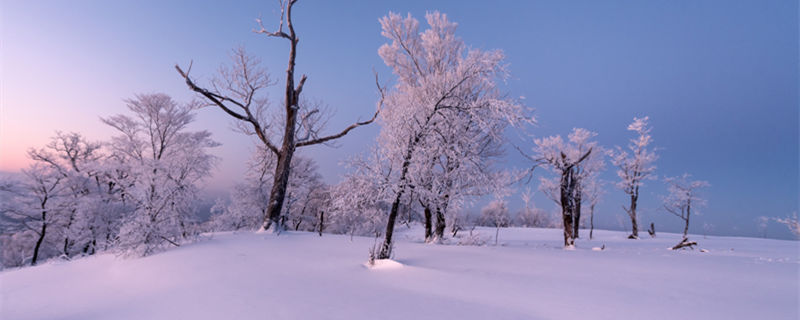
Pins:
x,y
528,276
384,264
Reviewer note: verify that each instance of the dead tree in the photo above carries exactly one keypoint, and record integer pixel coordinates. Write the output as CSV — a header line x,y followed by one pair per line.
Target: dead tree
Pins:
x,y
236,96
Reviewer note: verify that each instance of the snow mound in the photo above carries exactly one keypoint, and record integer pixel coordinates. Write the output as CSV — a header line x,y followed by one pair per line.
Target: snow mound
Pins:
x,y
384,264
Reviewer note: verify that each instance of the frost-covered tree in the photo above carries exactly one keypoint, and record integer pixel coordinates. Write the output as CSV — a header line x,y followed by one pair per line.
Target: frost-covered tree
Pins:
x,y
762,222
792,223
34,208
439,81
684,197
530,216
249,199
635,167
306,196
358,205
495,214
573,162
238,91
77,161
164,164
593,192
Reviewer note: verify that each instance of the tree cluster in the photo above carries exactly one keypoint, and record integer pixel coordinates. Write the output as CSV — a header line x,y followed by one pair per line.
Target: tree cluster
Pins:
x,y
135,193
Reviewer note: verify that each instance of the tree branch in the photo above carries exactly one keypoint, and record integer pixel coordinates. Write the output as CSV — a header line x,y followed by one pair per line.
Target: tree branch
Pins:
x,y
352,126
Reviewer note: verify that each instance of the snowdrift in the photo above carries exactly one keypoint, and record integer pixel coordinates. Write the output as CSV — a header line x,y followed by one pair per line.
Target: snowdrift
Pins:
x,y
528,276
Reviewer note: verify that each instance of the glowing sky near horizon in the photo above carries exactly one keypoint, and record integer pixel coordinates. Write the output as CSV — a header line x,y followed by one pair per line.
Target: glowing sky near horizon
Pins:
x,y
719,79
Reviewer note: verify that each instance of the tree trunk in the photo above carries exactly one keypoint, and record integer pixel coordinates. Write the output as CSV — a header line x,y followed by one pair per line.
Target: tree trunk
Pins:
x,y
39,241
428,224
386,248
591,221
321,222
688,214
576,222
566,207
634,221
440,225
279,183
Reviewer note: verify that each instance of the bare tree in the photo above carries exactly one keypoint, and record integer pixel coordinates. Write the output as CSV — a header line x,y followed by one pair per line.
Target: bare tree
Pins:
x,y
237,91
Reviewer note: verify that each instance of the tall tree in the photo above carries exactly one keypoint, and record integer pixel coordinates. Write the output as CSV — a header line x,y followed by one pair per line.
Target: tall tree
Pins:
x,y
635,167
438,80
569,161
237,92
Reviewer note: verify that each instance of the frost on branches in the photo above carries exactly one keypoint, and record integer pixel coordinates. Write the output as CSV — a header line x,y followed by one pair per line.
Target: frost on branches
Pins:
x,y
443,111
576,164
306,199
495,214
792,223
164,162
683,197
635,167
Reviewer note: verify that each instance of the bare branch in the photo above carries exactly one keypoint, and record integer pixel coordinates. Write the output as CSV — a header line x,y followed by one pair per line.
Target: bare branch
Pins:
x,y
381,90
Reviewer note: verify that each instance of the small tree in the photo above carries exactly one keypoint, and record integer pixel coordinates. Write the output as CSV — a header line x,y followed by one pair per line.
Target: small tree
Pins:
x,y
495,214
683,197
530,216
635,168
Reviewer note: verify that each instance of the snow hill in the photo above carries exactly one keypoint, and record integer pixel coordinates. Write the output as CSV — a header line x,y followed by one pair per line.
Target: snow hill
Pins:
x,y
528,276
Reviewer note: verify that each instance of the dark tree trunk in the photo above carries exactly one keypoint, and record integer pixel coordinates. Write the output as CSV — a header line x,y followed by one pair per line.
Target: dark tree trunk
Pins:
x,y
688,214
591,220
321,222
39,241
567,206
576,223
634,220
440,224
386,248
280,181
428,224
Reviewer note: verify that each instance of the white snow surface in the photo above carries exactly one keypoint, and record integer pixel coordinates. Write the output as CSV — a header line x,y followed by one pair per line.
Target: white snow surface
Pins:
x,y
528,276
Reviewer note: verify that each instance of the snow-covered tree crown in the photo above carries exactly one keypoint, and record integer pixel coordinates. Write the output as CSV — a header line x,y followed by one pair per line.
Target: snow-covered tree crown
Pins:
x,y
639,165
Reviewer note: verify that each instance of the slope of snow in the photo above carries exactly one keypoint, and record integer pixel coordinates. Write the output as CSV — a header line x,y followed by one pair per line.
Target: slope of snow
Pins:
x,y
529,276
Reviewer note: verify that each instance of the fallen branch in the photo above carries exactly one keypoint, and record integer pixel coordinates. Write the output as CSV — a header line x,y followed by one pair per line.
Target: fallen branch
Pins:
x,y
685,243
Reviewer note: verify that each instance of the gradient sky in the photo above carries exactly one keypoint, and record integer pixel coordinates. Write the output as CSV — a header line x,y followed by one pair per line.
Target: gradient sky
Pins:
x,y
719,80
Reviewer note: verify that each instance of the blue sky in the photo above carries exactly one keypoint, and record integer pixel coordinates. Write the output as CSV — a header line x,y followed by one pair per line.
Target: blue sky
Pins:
x,y
719,80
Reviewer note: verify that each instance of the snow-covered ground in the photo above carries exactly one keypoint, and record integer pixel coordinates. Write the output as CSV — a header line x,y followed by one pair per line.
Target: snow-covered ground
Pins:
x,y
529,276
